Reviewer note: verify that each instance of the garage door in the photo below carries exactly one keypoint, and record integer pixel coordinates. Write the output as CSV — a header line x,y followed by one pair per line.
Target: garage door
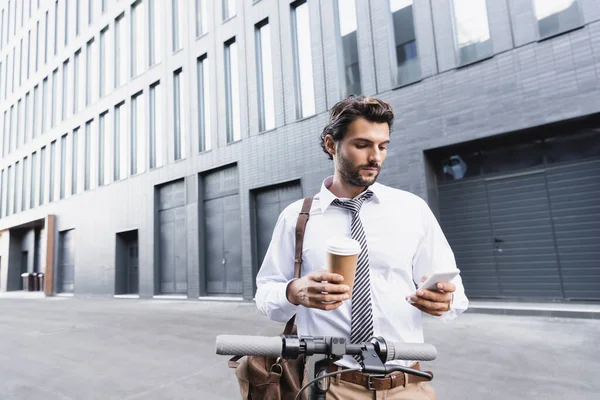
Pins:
x,y
222,227
531,234
269,203
172,238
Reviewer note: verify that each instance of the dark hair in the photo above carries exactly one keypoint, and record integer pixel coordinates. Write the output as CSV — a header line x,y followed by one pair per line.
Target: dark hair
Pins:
x,y
351,108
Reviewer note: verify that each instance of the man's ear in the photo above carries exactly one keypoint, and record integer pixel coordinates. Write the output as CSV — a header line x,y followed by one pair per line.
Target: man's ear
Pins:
x,y
330,145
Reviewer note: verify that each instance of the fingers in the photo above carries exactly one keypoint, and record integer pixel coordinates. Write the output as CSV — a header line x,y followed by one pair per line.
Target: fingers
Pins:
x,y
329,288
436,313
433,295
447,287
323,275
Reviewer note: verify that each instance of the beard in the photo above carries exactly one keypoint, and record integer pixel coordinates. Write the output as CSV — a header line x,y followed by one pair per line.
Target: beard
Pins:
x,y
351,173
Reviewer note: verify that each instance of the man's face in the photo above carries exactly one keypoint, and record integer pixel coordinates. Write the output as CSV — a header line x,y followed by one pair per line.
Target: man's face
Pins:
x,y
359,156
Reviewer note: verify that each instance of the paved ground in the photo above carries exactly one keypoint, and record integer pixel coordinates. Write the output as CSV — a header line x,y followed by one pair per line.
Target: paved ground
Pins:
x,y
73,348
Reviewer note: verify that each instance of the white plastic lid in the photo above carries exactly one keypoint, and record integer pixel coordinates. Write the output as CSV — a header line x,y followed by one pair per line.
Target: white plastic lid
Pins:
x,y
343,246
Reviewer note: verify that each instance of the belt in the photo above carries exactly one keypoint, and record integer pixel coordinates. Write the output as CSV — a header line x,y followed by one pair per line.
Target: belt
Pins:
x,y
373,382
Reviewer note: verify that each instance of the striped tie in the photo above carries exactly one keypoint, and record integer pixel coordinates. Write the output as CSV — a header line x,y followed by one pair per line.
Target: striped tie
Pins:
x,y
362,314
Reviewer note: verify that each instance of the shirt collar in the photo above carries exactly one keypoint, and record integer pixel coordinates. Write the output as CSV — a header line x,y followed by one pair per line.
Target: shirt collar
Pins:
x,y
326,197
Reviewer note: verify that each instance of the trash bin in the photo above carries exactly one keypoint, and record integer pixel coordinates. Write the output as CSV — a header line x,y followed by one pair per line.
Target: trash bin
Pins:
x,y
40,281
27,281
36,282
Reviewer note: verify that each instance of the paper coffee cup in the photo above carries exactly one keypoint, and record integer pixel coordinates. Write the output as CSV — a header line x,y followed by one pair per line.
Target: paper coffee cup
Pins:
x,y
342,256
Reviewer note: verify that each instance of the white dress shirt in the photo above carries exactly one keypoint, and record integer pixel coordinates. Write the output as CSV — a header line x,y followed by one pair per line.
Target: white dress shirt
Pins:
x,y
405,242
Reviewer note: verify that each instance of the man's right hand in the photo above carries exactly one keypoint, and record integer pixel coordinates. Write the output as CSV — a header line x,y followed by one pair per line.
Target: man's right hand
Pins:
x,y
318,290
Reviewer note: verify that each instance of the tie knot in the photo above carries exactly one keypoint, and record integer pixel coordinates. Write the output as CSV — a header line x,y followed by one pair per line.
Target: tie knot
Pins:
x,y
354,204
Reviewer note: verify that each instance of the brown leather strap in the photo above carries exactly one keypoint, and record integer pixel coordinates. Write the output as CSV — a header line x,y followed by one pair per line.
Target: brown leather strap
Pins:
x,y
300,229
372,382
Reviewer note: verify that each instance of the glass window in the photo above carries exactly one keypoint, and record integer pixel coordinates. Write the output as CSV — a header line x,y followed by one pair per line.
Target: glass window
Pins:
x,y
303,70
28,54
46,38
103,150
65,90
55,27
54,99
44,103
12,130
63,166
348,45
104,6
471,30
77,16
52,170
204,142
155,139
90,11
138,38
37,46
32,180
25,184
557,16
264,68
87,156
176,22
405,53
89,73
5,134
179,142
18,130
228,9
232,92
67,22
9,185
103,86
120,141
37,120
17,186
201,18
26,118
20,69
120,52
138,134
76,86
75,161
2,195
42,175
155,31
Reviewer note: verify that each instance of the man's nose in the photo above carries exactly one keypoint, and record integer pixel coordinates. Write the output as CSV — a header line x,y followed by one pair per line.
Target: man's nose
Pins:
x,y
376,155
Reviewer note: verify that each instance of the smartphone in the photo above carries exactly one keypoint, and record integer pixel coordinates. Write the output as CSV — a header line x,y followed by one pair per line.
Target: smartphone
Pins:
x,y
436,278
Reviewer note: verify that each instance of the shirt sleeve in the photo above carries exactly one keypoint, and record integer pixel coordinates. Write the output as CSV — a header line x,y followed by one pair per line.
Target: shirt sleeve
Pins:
x,y
435,255
276,272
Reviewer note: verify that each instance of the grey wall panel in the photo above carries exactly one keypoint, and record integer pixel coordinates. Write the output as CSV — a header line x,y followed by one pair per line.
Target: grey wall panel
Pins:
x,y
574,192
465,220
66,262
221,182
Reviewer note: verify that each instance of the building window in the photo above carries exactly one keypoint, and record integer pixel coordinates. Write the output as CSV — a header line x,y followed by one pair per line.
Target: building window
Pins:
x,y
29,54
155,31
55,27
46,20
201,18
12,130
87,156
16,186
67,22
204,142
32,193
557,16
303,70
471,30
26,118
138,134
120,140
2,194
24,184
91,11
120,52
65,90
228,9
155,138
177,26
103,86
74,161
264,68
36,123
44,103
104,6
52,170
232,92
54,107
42,175
76,87
349,67
138,39
19,131
103,150
77,16
5,133
407,67
89,72
179,142
37,45
9,185
63,166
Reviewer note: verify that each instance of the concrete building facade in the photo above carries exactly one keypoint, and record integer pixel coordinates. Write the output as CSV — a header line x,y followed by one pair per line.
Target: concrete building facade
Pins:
x,y
148,146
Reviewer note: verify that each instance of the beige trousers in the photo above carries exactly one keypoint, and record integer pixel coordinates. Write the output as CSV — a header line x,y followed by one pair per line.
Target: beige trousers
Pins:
x,y
349,391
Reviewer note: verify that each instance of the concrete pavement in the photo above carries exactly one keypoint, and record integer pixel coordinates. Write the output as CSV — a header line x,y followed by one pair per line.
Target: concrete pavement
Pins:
x,y
78,348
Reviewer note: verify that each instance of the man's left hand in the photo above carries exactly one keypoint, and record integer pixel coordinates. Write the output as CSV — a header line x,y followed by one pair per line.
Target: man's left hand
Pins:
x,y
434,302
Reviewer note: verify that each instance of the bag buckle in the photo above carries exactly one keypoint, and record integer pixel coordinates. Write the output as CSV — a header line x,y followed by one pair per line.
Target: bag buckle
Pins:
x,y
278,366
